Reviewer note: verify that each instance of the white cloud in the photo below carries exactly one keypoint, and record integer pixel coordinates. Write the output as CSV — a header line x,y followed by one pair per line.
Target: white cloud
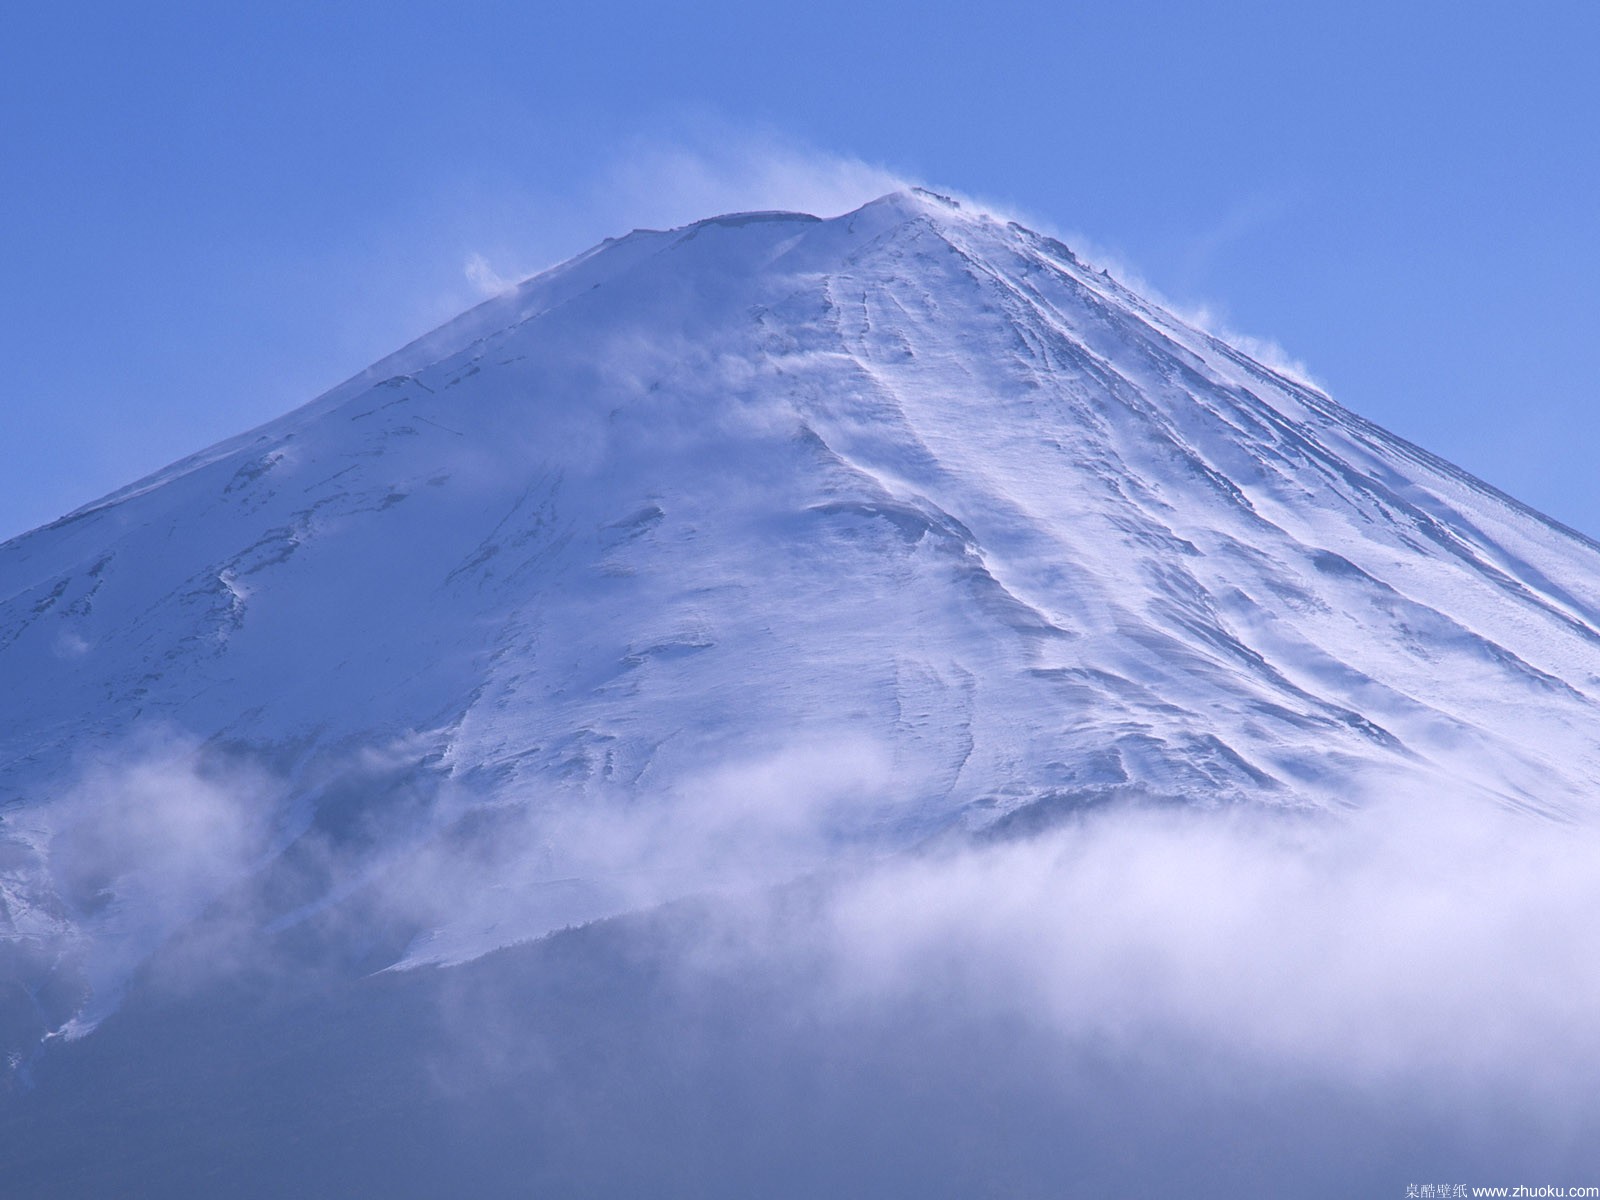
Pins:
x,y
141,843
537,863
1223,997
1409,938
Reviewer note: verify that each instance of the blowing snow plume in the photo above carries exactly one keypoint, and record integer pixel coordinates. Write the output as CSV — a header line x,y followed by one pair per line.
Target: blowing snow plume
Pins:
x,y
1056,691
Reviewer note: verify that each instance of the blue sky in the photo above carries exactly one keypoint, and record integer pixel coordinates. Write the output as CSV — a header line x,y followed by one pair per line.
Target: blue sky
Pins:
x,y
212,213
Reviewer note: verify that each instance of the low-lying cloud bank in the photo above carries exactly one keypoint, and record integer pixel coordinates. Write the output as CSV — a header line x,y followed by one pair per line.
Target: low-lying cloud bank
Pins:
x,y
1417,934
1415,981
1413,937
140,844
1419,960
1140,1001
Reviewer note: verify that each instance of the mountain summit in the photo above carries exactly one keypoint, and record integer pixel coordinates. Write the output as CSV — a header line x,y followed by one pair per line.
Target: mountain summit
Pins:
x,y
719,554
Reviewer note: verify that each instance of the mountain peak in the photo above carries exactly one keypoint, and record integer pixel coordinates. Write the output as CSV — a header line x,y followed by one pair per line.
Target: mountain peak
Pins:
x,y
915,200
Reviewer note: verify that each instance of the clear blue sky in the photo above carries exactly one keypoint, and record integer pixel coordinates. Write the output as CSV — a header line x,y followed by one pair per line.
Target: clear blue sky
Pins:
x,y
210,213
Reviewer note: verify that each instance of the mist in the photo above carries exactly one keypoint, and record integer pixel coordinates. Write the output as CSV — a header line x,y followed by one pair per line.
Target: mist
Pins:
x,y
1201,1001
741,982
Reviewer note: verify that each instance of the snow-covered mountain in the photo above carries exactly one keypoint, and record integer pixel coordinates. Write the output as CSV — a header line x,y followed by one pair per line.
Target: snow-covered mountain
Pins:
x,y
719,554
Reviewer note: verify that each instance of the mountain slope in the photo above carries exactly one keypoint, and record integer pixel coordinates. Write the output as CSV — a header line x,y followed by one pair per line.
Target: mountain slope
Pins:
x,y
721,553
